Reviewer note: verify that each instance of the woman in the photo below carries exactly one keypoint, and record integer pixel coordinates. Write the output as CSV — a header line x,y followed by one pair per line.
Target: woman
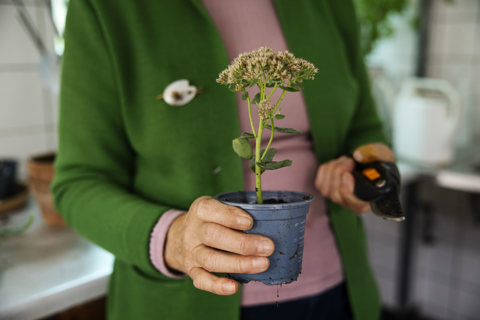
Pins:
x,y
134,174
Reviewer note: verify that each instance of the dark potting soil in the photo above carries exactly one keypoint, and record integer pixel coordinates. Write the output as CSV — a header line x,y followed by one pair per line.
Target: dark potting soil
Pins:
x,y
47,158
265,201
273,201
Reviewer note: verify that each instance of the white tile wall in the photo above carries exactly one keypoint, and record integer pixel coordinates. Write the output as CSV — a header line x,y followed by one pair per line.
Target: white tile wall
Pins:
x,y
27,108
387,287
459,10
450,268
383,238
455,56
22,145
436,300
16,45
22,101
445,273
467,304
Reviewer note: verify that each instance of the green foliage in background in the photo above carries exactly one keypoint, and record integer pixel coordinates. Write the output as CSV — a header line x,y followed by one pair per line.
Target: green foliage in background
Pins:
x,y
7,231
373,16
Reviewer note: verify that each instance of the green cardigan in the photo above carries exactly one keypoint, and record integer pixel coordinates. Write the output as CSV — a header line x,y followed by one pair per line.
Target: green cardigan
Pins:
x,y
125,157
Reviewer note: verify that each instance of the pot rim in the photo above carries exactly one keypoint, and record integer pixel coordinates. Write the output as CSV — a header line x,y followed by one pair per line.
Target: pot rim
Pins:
x,y
301,198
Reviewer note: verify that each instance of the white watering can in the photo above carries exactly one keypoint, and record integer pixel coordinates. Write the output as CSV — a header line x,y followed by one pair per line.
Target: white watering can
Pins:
x,y
425,119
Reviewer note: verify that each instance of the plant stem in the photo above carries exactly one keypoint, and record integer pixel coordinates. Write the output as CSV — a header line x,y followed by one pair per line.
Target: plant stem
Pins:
x,y
272,91
262,90
250,116
271,139
258,149
279,100
258,170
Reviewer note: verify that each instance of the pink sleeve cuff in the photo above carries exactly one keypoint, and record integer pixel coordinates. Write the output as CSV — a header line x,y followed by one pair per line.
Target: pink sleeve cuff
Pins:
x,y
157,243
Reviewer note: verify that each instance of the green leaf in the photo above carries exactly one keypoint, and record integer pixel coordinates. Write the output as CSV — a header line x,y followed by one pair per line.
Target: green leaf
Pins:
x,y
273,165
279,116
245,95
256,99
290,89
242,147
270,154
247,135
251,164
268,158
283,130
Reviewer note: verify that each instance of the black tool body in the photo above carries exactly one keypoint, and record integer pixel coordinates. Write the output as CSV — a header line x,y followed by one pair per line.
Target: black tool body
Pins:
x,y
378,182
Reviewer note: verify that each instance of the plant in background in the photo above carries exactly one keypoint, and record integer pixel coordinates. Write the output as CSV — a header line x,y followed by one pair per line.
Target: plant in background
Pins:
x,y
374,19
373,16
268,71
24,227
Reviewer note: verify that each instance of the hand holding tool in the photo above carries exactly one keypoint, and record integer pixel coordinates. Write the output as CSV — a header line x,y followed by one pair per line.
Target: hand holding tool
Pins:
x,y
378,182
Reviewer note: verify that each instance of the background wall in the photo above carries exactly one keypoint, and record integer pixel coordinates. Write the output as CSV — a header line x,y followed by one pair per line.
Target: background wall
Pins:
x,y
446,257
28,109
455,55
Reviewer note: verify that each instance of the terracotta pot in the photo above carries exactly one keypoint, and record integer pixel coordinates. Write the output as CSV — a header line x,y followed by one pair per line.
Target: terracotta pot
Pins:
x,y
40,176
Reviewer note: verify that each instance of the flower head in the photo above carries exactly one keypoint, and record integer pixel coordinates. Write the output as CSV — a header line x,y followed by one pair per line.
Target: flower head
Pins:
x,y
265,109
266,66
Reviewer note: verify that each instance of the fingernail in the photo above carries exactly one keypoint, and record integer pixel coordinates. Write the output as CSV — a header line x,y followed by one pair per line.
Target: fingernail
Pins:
x,y
244,222
229,287
357,155
260,263
265,247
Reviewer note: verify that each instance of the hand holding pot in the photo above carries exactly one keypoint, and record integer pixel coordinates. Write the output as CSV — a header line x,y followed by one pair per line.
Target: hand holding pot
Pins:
x,y
205,240
335,181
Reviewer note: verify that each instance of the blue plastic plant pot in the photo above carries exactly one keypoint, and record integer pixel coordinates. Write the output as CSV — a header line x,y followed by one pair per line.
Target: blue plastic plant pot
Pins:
x,y
281,218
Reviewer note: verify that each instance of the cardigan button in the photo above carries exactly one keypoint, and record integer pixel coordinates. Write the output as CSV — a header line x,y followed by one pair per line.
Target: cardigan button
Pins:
x,y
179,93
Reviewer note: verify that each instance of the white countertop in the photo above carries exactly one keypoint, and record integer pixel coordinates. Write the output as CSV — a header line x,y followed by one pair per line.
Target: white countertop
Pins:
x,y
462,175
46,270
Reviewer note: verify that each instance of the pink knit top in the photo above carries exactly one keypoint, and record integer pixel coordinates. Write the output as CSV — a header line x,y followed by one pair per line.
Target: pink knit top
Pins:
x,y
247,25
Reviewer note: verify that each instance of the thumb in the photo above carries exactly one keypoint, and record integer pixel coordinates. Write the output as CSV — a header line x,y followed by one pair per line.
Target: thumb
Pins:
x,y
373,152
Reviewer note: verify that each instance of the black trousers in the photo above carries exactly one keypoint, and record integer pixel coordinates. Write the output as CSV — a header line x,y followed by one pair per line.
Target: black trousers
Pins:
x,y
332,304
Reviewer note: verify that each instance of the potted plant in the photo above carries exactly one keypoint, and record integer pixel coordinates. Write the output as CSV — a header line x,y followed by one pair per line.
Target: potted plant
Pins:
x,y
40,176
15,230
13,195
279,215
